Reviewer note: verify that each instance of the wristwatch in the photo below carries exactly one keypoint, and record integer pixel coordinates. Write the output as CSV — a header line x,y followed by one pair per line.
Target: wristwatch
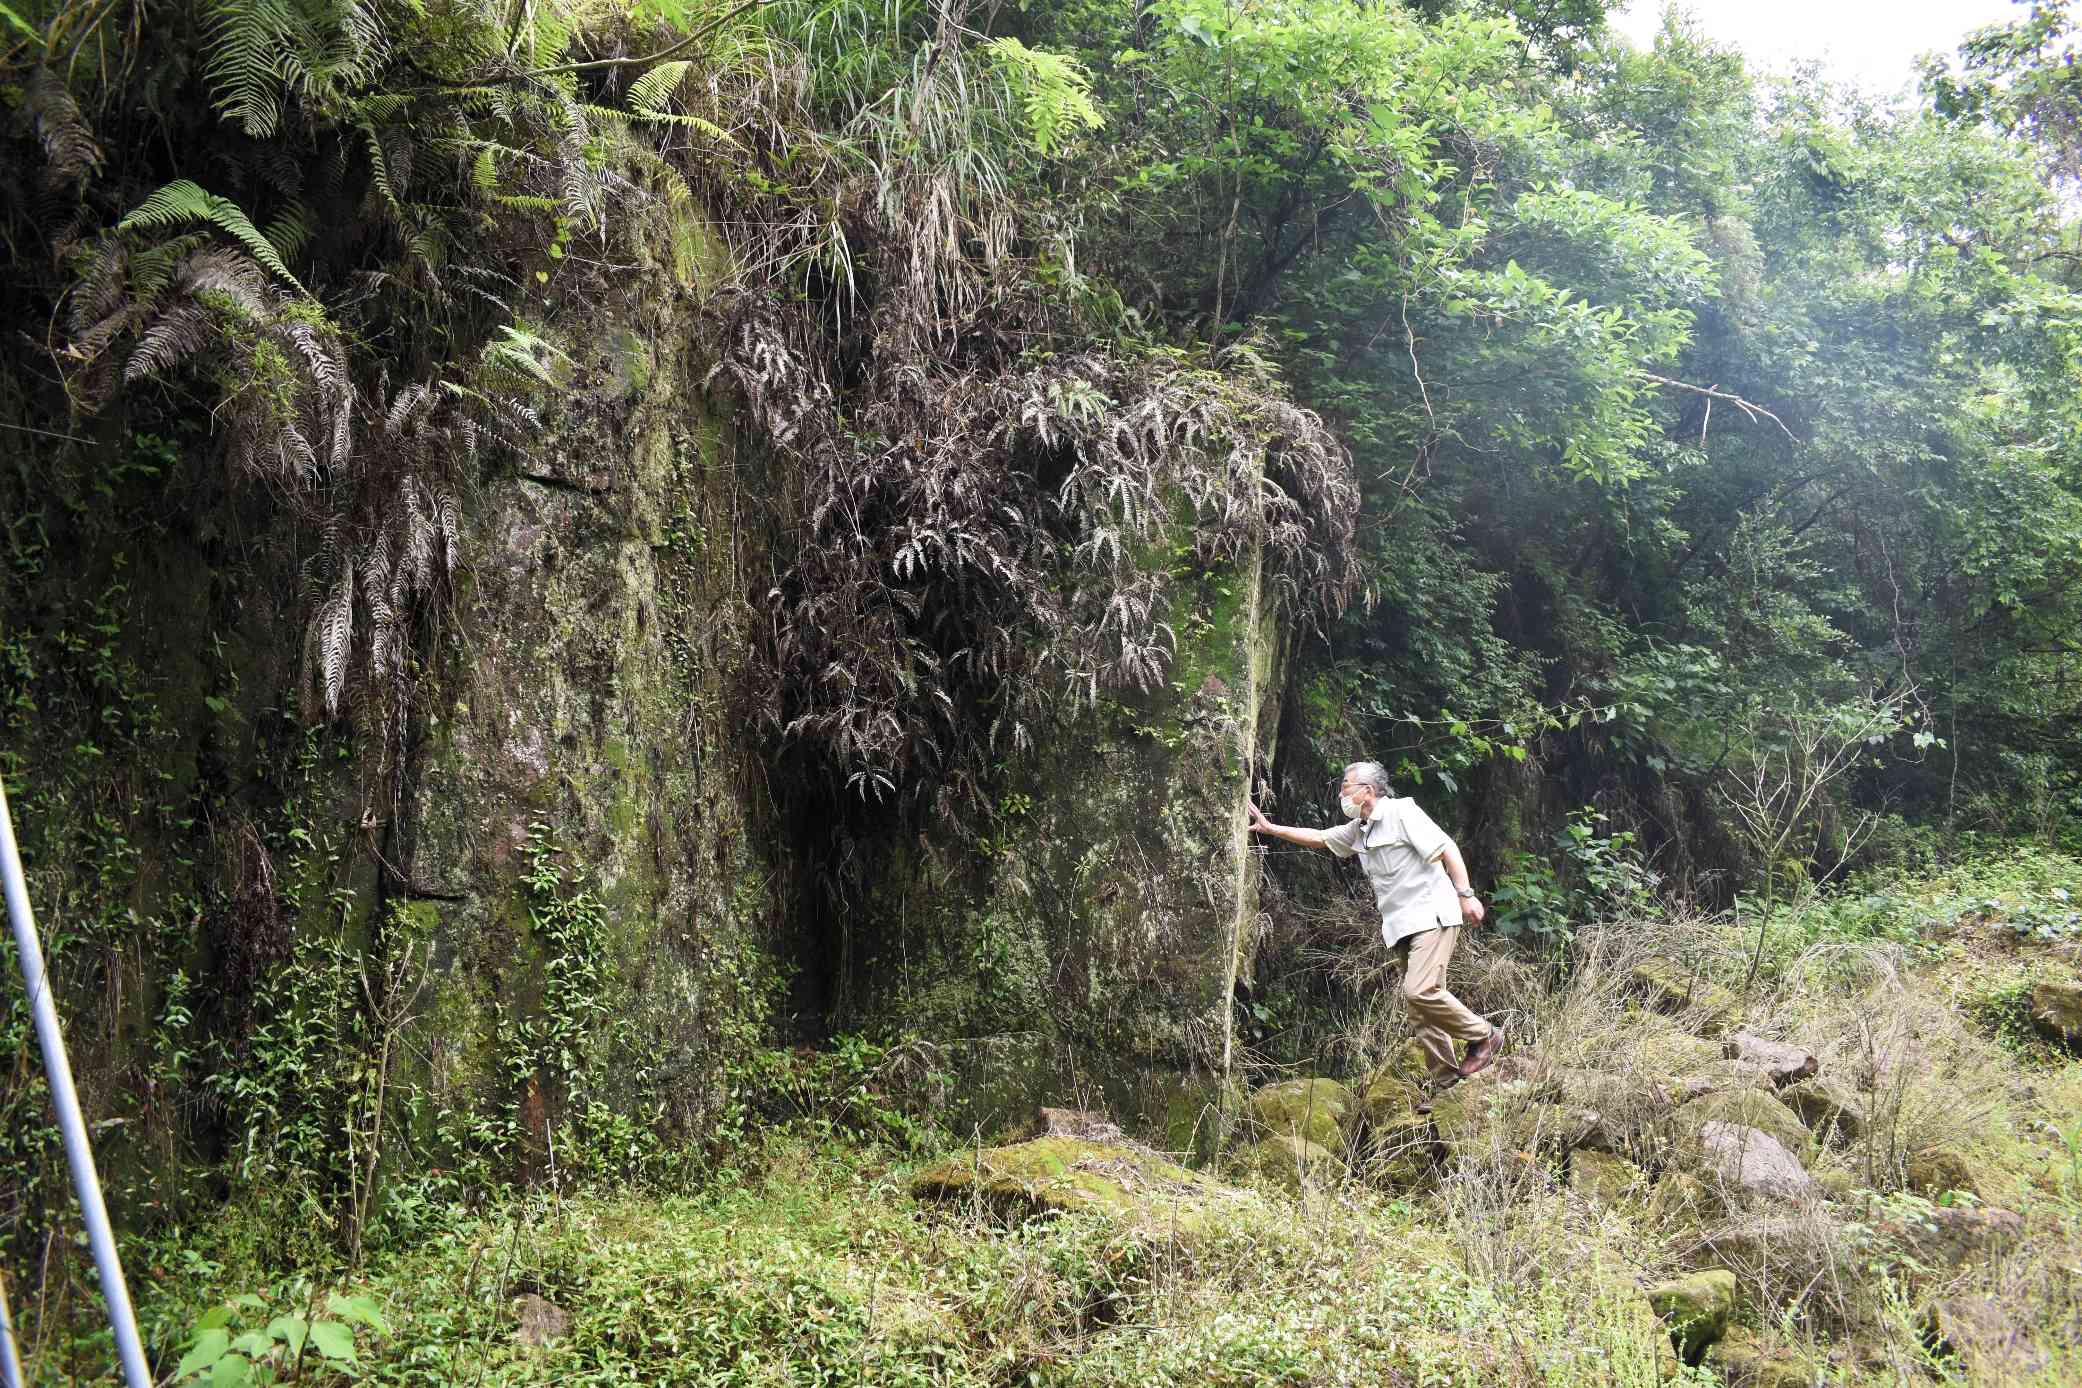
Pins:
x,y
1468,893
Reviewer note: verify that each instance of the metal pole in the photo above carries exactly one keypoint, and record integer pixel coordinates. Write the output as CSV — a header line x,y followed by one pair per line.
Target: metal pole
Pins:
x,y
66,1100
10,1361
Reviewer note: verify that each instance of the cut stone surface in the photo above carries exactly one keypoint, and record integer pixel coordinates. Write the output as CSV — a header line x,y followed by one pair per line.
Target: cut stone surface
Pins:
x,y
1129,1184
1830,1109
1784,1063
1605,1178
1749,1161
1696,1308
1315,1109
1749,1108
2056,1010
1673,988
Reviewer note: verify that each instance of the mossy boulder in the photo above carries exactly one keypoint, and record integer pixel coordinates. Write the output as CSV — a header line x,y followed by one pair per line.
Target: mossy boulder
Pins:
x,y
1750,1108
1675,1053
1315,1109
1696,1308
1939,1168
1745,1360
1605,1178
1494,1113
1289,1161
1130,1185
2056,1010
1830,1108
1388,1094
1672,988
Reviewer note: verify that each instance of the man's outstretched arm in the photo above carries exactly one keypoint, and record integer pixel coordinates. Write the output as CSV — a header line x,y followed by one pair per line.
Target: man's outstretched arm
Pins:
x,y
1307,838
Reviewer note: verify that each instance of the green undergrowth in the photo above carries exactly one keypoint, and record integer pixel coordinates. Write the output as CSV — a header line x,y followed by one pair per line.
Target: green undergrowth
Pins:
x,y
823,1269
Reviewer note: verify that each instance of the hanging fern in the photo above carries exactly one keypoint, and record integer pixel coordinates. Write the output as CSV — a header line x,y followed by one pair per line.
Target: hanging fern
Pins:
x,y
181,201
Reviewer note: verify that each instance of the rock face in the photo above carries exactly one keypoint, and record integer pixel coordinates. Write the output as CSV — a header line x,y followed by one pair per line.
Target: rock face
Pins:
x,y
1099,949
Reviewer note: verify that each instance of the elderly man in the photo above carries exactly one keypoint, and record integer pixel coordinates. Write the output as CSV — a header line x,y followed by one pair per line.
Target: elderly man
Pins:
x,y
1421,887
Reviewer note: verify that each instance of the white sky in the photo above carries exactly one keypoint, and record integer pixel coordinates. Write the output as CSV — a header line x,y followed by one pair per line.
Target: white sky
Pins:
x,y
1871,42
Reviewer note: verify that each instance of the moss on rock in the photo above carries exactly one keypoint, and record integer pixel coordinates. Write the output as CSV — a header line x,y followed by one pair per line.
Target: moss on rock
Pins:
x,y
1696,1308
1129,1185
1749,1108
1319,1110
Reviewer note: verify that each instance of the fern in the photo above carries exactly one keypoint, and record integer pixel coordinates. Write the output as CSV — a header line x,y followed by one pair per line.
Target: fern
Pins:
x,y
71,154
181,201
1055,93
244,61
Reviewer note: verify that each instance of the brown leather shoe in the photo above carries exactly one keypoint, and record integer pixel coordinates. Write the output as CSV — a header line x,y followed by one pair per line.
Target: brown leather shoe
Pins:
x,y
1482,1053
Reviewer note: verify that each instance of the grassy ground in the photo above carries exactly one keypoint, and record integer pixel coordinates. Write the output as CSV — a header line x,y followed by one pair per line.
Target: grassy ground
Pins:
x,y
808,1261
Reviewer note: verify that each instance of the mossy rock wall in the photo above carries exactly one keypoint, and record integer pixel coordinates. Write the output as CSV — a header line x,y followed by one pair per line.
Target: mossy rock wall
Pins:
x,y
215,873
1094,954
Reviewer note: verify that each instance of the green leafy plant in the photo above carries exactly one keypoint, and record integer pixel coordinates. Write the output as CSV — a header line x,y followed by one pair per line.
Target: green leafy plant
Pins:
x,y
241,1342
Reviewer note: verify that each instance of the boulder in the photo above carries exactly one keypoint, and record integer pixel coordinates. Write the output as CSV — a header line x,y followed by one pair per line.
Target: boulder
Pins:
x,y
1312,1109
1749,1108
1290,1161
1671,987
1989,1343
1952,1235
1074,1122
1604,1178
1480,1117
1131,1185
1388,1097
2056,1010
540,1321
1749,1161
1743,1360
1782,1062
1719,1075
1829,1108
1618,1106
1936,1169
1696,1308
1676,1053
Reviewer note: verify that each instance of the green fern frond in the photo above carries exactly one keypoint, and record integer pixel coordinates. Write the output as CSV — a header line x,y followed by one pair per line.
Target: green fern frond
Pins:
x,y
528,202
649,93
1055,93
182,201
243,63
291,230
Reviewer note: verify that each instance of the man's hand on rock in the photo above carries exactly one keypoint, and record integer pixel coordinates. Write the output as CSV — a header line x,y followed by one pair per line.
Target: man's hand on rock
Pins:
x,y
1259,823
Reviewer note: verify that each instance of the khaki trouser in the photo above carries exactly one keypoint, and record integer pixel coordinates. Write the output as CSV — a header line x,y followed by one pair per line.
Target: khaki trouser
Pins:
x,y
1438,1017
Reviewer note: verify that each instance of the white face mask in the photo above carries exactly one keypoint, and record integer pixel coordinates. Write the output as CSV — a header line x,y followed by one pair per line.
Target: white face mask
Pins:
x,y
1349,806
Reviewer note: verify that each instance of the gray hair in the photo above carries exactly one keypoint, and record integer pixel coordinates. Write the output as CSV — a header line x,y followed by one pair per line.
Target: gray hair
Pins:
x,y
1370,773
